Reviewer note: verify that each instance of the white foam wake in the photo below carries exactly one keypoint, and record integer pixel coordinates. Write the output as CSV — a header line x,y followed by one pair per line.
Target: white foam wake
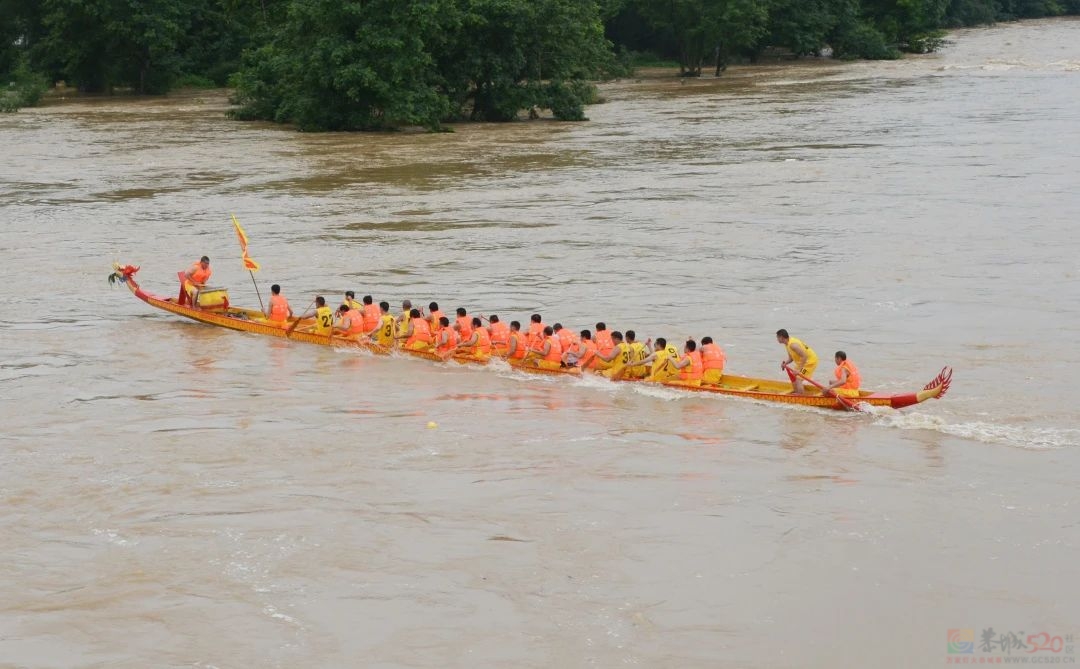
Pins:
x,y
1033,438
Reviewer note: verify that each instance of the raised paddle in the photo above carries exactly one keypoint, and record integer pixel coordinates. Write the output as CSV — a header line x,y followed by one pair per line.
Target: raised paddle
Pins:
x,y
846,403
292,327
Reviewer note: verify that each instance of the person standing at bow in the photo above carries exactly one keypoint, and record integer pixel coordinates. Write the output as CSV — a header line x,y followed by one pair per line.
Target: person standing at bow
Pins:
x,y
195,279
803,357
847,375
279,310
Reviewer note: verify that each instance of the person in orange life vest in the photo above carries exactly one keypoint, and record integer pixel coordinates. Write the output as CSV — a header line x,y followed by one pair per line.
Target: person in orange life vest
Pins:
x,y
350,299
370,313
384,330
638,352
690,365
613,364
434,314
195,279
604,345
548,354
279,310
518,347
447,339
499,333
566,336
463,323
712,361
350,322
417,333
536,331
582,353
847,375
479,341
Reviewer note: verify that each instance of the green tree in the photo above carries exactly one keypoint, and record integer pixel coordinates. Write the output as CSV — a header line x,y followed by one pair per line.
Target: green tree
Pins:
x,y
102,44
703,28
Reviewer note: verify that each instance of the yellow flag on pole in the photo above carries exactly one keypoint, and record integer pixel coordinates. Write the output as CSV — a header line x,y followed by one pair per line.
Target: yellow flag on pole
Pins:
x,y
249,264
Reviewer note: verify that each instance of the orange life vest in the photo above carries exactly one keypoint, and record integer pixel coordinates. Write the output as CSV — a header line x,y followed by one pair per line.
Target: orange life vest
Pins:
x,y
198,274
694,371
566,338
420,332
279,308
522,348
356,322
536,335
554,353
451,340
712,357
604,344
586,353
372,315
853,379
483,341
500,334
464,324
434,318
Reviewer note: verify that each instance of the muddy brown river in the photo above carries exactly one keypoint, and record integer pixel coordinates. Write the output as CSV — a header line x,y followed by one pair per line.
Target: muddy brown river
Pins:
x,y
175,495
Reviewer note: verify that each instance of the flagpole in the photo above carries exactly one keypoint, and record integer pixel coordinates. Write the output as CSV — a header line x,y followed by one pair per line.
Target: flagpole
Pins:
x,y
257,291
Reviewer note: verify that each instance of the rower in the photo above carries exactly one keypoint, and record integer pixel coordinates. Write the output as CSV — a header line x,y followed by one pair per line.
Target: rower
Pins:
x,y
661,360
566,336
403,317
350,299
518,346
384,331
463,323
548,355
799,353
582,353
417,333
194,279
434,314
371,314
604,344
614,363
847,375
690,364
447,340
478,345
712,361
350,322
279,310
324,317
638,352
499,333
536,331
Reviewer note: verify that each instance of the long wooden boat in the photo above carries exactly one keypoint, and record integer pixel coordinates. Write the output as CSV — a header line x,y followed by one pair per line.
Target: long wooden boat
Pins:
x,y
253,321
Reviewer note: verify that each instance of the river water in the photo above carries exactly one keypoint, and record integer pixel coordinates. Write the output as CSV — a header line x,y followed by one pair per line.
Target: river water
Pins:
x,y
180,496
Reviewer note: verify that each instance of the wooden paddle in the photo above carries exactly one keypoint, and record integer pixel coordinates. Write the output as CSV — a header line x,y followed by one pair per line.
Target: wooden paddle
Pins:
x,y
845,402
292,327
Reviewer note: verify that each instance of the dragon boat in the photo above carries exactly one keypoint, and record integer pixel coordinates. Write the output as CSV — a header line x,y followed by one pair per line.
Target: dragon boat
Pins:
x,y
212,307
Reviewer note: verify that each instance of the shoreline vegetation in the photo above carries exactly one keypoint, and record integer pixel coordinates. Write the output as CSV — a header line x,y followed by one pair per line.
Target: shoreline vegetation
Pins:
x,y
323,65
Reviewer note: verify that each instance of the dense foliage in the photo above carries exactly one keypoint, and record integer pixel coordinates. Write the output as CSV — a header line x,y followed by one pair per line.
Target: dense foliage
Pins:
x,y
366,64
